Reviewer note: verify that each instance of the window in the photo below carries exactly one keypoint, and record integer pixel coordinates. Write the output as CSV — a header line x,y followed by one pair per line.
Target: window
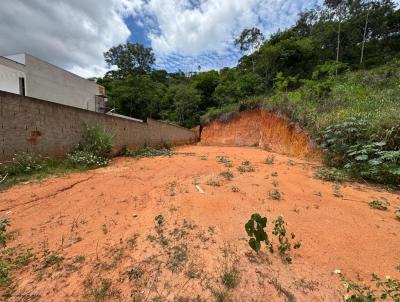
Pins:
x,y
22,86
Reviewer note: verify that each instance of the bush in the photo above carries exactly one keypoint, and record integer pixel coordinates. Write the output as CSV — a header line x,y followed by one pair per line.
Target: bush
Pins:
x,y
351,145
22,164
97,142
86,159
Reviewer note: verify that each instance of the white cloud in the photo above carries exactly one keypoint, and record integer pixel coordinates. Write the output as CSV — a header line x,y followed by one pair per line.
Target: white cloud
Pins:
x,y
72,34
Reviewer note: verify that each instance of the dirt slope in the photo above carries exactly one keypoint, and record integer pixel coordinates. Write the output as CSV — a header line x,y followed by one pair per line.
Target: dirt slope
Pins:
x,y
259,128
102,224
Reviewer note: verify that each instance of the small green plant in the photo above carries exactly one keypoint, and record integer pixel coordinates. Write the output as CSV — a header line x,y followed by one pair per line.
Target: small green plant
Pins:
x,y
159,219
384,289
275,194
274,174
104,229
255,229
177,258
245,168
336,191
96,141
213,183
223,160
246,163
275,182
284,244
4,223
235,189
329,175
291,162
379,204
86,159
135,272
227,175
269,160
230,278
53,259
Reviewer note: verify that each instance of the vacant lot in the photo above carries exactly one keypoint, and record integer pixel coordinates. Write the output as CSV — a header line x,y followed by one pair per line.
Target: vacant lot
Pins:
x,y
140,230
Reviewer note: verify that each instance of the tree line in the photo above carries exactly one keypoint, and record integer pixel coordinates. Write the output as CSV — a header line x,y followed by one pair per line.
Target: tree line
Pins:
x,y
340,34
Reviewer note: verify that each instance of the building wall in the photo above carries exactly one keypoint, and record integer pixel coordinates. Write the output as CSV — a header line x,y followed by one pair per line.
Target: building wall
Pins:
x,y
50,129
48,82
10,72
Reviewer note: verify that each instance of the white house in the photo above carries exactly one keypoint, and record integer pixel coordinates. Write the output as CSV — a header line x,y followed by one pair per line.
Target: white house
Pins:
x,y
26,75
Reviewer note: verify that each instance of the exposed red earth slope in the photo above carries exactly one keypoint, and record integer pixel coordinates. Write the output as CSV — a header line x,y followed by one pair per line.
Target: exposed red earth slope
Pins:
x,y
259,128
102,224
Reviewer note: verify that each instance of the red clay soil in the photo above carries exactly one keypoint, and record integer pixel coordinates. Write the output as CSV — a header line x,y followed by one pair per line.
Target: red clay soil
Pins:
x,y
94,237
259,128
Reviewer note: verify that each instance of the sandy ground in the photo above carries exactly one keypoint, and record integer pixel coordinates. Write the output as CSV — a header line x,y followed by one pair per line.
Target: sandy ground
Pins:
x,y
94,237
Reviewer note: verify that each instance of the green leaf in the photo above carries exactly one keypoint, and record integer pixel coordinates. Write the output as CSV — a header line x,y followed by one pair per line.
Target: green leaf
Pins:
x,y
254,244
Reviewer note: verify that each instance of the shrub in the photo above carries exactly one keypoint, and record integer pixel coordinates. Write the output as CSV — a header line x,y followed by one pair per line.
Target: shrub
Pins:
x,y
96,141
379,204
329,175
4,222
275,194
269,160
86,159
227,174
22,164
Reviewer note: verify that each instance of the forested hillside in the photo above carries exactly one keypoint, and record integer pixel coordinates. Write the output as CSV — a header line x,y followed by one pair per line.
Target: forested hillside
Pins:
x,y
335,71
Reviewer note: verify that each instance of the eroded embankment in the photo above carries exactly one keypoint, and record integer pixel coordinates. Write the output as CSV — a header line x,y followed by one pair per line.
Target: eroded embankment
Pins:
x,y
260,128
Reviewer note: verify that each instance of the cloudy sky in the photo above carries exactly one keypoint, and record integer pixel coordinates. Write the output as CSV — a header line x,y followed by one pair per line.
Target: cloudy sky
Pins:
x,y
184,34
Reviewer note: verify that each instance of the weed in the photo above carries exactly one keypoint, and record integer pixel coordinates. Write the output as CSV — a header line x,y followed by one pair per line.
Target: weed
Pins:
x,y
269,160
204,157
235,189
227,175
230,278
53,259
284,244
133,241
336,191
104,229
275,182
4,222
275,194
213,183
274,174
193,271
255,229
245,163
379,204
159,219
79,259
329,175
388,288
291,162
397,212
245,168
177,258
135,273
223,160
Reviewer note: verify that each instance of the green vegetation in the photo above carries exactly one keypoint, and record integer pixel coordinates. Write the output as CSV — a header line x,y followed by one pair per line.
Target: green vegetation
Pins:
x,y
387,289
269,160
335,72
227,175
379,204
255,229
94,151
275,194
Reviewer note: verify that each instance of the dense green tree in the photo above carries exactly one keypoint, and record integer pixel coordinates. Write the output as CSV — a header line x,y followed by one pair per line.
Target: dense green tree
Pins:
x,y
131,59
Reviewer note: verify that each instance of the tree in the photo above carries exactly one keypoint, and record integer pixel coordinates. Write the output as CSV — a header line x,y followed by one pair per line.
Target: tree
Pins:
x,y
131,59
249,40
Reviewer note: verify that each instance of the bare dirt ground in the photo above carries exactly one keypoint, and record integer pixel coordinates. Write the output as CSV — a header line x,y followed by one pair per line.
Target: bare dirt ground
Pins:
x,y
94,236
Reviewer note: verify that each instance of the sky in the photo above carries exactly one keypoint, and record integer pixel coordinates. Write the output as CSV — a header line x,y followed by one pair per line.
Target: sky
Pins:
x,y
183,34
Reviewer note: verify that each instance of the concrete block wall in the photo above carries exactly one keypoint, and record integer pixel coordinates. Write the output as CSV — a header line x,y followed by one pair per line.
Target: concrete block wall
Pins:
x,y
51,129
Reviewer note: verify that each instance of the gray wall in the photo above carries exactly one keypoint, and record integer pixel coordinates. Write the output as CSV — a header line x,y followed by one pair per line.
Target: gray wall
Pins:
x,y
48,82
50,129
